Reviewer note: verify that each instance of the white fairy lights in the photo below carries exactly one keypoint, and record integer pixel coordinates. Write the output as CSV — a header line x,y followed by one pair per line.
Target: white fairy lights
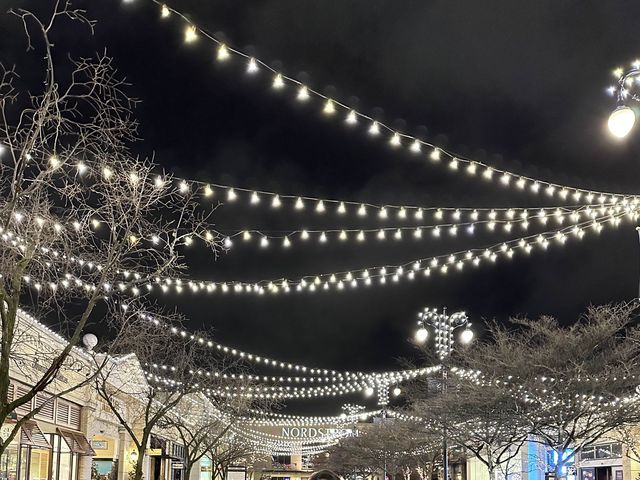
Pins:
x,y
334,108
392,274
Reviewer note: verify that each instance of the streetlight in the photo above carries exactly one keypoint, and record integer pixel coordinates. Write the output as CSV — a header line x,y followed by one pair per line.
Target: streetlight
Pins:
x,y
623,118
444,327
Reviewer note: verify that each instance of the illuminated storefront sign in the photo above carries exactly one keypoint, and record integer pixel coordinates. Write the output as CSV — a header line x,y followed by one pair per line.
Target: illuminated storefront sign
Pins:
x,y
313,432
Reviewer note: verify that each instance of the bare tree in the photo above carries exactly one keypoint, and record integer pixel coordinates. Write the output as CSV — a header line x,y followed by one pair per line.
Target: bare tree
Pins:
x,y
573,385
209,430
391,446
485,420
230,451
144,400
83,221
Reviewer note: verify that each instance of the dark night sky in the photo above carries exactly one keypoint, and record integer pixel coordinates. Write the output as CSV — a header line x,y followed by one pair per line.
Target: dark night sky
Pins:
x,y
517,84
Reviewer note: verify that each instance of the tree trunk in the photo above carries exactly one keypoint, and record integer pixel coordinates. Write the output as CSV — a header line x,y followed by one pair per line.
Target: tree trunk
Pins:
x,y
492,474
138,471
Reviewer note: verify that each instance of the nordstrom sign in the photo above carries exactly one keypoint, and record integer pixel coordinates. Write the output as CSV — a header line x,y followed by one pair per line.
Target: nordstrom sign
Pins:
x,y
311,432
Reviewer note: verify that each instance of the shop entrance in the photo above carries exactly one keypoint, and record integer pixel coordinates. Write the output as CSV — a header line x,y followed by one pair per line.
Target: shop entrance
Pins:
x,y
603,473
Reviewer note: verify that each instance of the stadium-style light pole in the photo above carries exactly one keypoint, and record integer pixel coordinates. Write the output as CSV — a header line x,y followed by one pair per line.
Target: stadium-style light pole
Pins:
x,y
623,118
444,326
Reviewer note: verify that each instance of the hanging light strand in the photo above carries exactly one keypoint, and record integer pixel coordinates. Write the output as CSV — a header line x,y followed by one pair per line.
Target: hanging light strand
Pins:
x,y
334,108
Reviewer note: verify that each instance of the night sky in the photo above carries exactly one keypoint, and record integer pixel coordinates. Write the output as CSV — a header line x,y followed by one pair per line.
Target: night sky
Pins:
x,y
520,85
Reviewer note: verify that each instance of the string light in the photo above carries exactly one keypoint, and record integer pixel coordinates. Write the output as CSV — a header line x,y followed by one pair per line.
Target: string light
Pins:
x,y
330,106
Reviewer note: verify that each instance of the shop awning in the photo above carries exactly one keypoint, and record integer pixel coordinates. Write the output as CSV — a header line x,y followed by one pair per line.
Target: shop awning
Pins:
x,y
76,441
32,435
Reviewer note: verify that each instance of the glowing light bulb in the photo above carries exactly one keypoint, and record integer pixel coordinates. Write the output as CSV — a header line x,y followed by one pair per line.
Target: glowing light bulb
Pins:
x,y
164,11
303,94
395,139
276,203
360,236
222,53
422,334
299,204
231,195
81,167
286,243
352,117
107,173
383,213
278,81
362,211
472,168
416,146
466,336
264,242
343,235
190,34
255,198
320,208
374,129
208,191
435,154
329,107
621,121
323,237
341,208
252,66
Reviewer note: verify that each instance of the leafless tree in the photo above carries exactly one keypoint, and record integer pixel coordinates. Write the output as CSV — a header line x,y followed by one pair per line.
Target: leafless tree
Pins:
x,y
573,385
208,431
83,221
390,446
486,421
156,379
230,451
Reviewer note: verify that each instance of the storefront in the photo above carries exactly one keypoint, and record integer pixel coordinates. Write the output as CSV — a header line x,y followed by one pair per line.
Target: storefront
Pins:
x,y
34,455
601,462
49,447
166,459
178,462
105,462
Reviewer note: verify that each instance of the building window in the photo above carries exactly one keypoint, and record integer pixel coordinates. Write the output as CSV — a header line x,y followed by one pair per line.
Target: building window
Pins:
x,y
601,452
9,462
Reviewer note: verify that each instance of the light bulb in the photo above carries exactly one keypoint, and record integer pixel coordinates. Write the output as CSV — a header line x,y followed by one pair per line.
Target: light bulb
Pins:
x,y
466,336
303,94
278,81
621,121
252,66
223,53
421,335
329,107
190,34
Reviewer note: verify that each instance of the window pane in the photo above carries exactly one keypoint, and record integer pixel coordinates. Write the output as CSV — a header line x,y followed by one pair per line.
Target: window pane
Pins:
x,y
65,466
39,464
9,462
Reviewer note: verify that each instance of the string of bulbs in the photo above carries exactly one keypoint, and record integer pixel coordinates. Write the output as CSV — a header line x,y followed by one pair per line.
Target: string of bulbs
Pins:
x,y
332,107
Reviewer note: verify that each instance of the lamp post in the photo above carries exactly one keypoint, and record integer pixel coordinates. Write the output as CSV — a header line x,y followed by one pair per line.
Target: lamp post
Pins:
x,y
623,118
444,326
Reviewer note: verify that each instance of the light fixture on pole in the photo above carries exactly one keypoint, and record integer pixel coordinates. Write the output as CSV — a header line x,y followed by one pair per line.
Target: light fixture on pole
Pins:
x,y
444,327
623,118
